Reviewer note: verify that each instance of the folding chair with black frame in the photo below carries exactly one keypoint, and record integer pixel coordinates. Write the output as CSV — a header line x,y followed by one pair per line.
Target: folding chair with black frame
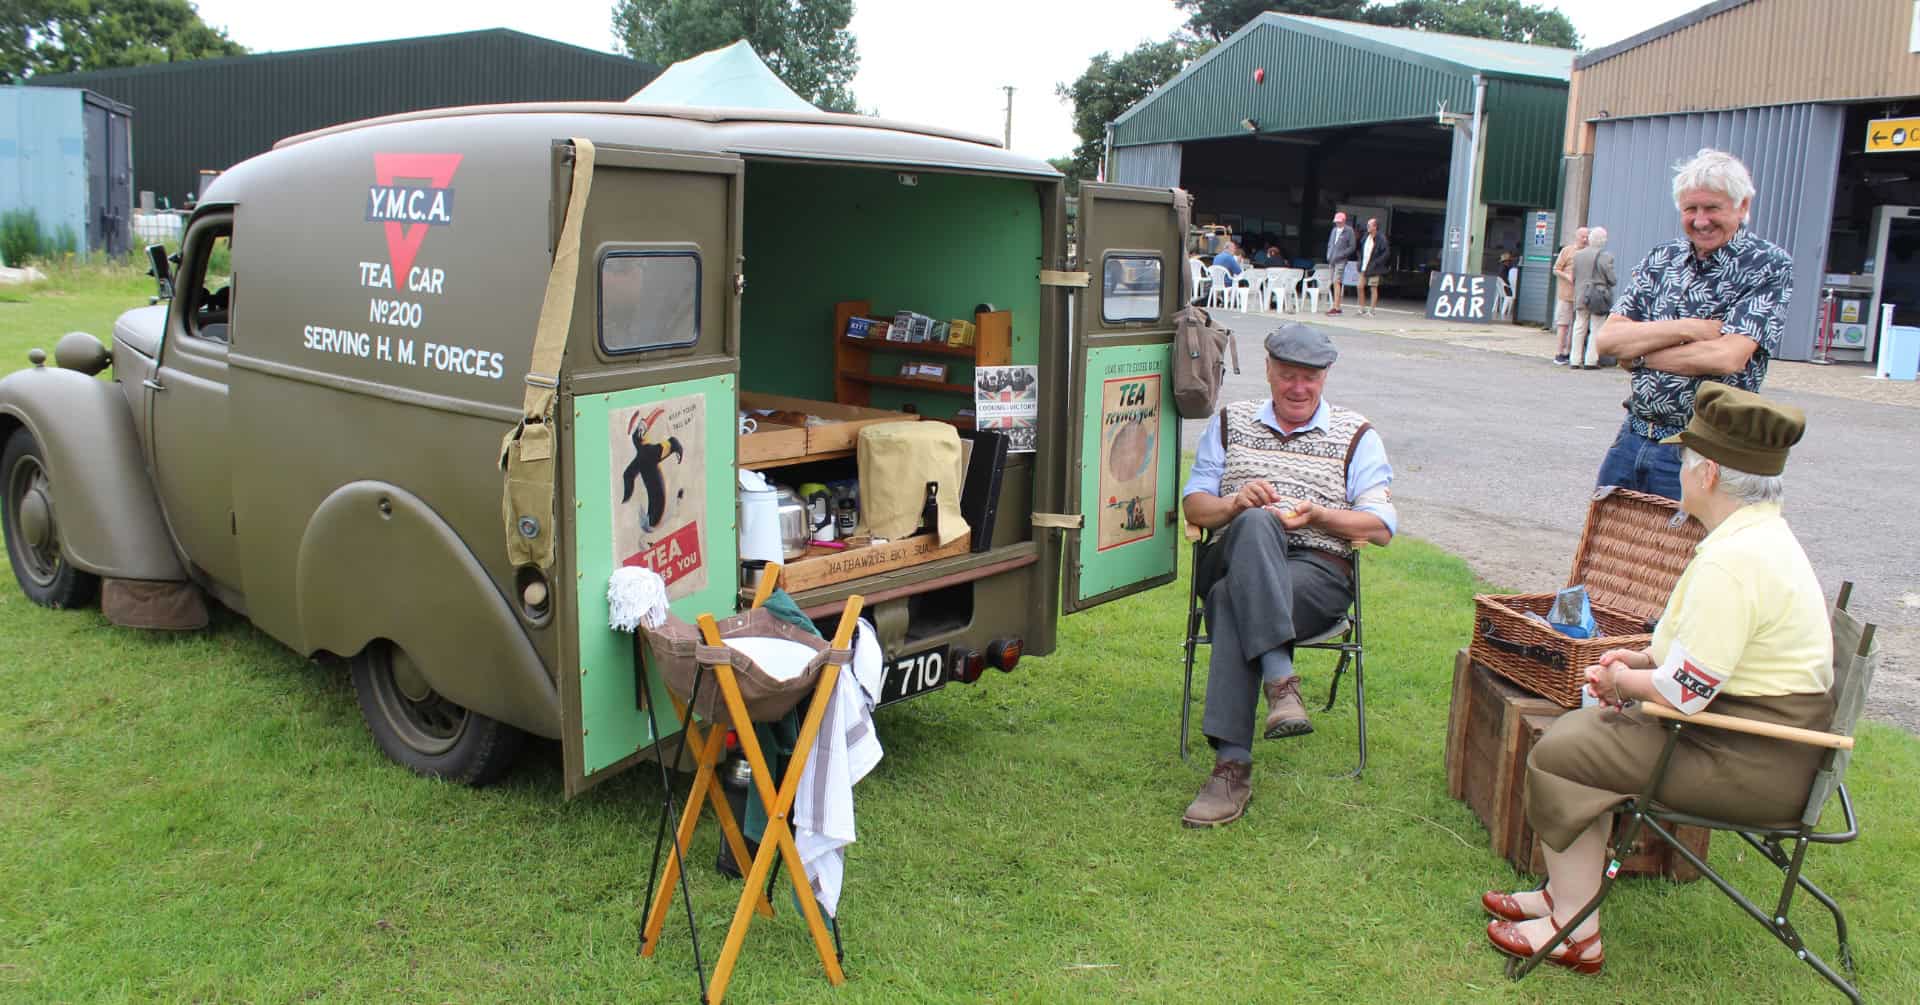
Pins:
x,y
1854,662
1343,637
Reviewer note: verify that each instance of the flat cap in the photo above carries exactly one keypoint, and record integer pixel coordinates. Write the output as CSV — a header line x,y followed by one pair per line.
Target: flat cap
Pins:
x,y
1741,430
1301,345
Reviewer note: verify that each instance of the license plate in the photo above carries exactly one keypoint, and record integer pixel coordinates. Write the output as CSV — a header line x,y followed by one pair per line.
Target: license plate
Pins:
x,y
914,674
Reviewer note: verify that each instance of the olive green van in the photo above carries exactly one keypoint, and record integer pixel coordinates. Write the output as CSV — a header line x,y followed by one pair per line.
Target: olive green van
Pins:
x,y
318,443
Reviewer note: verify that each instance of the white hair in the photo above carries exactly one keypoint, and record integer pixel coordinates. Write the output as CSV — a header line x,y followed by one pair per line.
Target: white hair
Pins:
x,y
1745,486
1597,237
1715,171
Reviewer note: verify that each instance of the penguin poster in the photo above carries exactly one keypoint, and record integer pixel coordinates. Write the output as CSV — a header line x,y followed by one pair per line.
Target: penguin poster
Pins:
x,y
1129,459
658,488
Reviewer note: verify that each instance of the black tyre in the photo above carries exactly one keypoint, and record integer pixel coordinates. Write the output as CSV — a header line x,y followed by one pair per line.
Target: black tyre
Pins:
x,y
33,532
418,728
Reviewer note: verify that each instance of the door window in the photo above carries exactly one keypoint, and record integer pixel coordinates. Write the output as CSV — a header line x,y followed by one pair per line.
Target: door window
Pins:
x,y
1130,288
204,290
649,300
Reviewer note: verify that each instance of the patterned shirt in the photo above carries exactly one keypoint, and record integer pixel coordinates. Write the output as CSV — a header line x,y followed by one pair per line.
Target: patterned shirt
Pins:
x,y
1745,284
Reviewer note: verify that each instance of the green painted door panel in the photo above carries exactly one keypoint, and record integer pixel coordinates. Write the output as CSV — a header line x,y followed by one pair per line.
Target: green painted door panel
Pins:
x,y
1126,434
654,486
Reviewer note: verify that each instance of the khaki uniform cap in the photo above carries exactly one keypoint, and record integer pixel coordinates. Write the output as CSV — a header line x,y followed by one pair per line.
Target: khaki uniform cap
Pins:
x,y
1741,430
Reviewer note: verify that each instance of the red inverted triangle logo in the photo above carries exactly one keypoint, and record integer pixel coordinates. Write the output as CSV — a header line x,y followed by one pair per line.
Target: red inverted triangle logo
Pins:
x,y
404,240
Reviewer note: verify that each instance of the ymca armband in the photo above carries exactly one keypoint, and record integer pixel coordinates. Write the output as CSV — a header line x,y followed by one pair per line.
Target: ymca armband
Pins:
x,y
1684,682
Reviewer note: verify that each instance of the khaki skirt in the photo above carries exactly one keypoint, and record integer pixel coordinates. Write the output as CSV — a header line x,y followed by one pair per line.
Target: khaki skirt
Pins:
x,y
1593,759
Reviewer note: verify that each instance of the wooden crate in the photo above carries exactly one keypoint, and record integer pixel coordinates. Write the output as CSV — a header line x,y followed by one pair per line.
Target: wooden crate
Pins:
x,y
1492,726
826,566
770,441
840,434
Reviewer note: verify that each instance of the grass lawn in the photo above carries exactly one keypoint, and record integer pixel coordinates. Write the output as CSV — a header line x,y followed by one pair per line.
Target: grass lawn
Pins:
x,y
84,298
202,817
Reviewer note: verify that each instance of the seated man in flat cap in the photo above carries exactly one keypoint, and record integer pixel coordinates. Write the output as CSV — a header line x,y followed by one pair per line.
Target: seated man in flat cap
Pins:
x,y
1286,484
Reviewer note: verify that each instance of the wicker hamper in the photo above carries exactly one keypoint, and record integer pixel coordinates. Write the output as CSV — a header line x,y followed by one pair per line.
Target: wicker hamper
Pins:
x,y
1631,553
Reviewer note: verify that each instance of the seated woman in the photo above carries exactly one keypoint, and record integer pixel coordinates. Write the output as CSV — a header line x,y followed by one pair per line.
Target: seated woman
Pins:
x,y
1745,629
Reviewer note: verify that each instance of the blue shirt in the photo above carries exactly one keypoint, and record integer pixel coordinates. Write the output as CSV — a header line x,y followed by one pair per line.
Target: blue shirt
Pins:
x,y
1226,261
1368,470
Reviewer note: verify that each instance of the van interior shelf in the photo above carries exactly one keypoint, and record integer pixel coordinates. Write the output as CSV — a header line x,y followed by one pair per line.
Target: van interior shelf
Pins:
x,y
854,379
917,383
916,348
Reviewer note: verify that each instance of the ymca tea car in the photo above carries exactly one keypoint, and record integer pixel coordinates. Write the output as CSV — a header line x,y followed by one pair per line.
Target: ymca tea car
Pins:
x,y
603,293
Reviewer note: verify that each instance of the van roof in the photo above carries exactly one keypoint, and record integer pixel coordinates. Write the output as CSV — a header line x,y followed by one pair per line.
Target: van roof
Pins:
x,y
763,132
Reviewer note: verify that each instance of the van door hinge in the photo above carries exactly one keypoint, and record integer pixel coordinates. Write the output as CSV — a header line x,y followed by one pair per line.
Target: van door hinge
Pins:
x,y
233,523
1060,277
1064,521
739,283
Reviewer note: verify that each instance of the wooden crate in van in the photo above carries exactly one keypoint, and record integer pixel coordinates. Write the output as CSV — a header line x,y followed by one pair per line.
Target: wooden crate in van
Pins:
x,y
840,434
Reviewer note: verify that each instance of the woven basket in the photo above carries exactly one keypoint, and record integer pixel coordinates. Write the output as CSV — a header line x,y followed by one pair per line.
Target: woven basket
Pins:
x,y
1634,548
682,659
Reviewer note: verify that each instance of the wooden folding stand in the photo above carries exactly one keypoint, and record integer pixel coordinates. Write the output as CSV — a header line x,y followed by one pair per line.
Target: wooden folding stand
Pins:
x,y
708,744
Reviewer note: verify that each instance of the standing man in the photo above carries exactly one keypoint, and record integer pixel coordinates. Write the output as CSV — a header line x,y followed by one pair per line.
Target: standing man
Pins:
x,y
1563,292
1593,281
1286,484
1341,244
1707,306
1374,256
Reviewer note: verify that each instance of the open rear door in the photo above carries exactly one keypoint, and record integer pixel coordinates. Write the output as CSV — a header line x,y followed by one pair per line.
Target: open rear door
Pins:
x,y
1124,435
649,398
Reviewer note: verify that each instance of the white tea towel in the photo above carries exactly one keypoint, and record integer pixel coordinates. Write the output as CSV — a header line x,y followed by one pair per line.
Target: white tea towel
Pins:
x,y
846,748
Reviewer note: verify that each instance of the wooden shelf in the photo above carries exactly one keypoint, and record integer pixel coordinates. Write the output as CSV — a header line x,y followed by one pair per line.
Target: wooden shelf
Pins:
x,y
917,383
781,462
930,348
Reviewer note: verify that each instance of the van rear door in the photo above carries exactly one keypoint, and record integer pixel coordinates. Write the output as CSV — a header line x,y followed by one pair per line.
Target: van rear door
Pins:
x,y
1123,432
648,406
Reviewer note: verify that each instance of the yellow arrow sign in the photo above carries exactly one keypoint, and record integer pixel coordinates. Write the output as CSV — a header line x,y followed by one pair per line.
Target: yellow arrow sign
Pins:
x,y
1885,136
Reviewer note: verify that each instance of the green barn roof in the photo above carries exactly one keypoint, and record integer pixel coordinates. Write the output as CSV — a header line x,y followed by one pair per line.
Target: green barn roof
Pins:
x,y
1328,74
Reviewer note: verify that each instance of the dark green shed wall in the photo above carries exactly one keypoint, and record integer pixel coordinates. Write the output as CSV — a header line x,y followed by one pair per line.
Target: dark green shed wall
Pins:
x,y
1525,126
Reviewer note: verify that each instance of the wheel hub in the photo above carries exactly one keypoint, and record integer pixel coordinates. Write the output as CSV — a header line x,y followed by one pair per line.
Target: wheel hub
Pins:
x,y
408,680
36,518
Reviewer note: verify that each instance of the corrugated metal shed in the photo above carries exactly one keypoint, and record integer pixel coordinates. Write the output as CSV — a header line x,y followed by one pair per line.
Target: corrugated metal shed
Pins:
x,y
1323,73
58,158
1791,153
212,114
1752,53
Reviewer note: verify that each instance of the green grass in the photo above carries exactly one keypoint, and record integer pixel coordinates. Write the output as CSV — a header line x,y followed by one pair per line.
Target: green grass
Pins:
x,y
202,817
73,298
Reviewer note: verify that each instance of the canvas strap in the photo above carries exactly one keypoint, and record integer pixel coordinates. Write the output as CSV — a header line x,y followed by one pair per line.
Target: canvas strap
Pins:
x,y
527,451
1183,219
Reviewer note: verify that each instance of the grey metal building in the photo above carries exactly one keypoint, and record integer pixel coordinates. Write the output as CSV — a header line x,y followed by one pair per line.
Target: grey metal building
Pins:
x,y
1746,76
1453,142
208,115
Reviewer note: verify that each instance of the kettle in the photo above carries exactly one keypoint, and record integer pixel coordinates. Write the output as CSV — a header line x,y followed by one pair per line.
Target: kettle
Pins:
x,y
797,523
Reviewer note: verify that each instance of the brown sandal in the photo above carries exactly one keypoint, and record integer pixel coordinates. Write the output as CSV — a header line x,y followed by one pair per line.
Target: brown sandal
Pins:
x,y
1506,937
1503,906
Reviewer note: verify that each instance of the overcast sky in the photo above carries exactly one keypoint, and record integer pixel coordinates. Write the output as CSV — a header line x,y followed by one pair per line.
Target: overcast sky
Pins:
x,y
922,61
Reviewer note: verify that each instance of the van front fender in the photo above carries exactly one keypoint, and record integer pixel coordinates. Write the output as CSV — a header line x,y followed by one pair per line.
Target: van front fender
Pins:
x,y
110,519
377,562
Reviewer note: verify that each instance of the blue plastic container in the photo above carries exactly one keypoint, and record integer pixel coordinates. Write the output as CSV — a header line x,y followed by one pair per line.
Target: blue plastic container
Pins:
x,y
1902,359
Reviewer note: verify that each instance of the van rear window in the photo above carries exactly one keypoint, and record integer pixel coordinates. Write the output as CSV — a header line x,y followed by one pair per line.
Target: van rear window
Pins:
x,y
1130,288
649,300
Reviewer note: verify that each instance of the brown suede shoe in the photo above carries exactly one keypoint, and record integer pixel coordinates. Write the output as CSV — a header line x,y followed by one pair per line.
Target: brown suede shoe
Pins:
x,y
1286,716
1223,798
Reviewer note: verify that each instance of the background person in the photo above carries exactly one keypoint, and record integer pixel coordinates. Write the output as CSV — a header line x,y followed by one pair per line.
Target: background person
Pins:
x,y
1563,292
1374,257
1286,484
1593,281
1709,306
1341,245
1229,259
1745,630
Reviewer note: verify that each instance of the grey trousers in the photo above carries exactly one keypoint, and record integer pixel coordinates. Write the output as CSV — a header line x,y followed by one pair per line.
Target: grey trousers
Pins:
x,y
1259,596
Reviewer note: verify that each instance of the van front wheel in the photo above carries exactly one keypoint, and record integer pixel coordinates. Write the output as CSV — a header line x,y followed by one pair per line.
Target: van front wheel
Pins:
x,y
32,532
417,727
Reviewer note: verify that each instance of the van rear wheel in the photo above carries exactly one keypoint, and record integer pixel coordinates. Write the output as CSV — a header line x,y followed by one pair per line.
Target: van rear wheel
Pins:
x,y
33,532
418,727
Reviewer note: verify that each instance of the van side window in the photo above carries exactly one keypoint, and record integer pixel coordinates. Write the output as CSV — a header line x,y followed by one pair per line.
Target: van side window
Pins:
x,y
1130,288
214,305
649,300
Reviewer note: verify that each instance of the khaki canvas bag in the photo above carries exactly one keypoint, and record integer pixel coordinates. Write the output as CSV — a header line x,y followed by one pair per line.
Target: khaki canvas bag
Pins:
x,y
1200,353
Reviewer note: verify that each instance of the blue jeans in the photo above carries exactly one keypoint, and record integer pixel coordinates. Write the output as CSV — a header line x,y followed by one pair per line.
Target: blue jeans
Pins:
x,y
1643,465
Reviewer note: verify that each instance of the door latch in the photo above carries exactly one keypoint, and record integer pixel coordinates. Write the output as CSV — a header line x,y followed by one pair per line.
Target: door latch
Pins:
x,y
153,385
739,283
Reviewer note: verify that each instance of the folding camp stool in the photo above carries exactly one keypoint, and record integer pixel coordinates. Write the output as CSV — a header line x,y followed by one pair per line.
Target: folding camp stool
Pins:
x,y
777,843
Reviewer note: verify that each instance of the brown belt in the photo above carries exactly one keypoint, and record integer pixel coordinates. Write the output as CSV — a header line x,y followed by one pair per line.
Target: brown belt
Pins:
x,y
1340,562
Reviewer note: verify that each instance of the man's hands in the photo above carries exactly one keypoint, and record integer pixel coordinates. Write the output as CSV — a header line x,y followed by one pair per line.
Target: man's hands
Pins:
x,y
1259,493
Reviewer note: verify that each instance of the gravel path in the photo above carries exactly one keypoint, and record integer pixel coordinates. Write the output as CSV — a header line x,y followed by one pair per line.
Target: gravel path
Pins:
x,y
1495,450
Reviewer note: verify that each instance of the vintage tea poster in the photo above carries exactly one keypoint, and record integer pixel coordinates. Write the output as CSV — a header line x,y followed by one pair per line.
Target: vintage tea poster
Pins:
x,y
658,490
1129,458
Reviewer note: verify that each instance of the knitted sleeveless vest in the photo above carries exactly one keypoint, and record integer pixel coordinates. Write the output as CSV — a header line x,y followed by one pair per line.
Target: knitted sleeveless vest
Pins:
x,y
1310,464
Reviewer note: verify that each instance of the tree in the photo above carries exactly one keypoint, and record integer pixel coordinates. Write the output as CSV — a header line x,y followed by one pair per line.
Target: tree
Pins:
x,y
1507,20
804,42
1111,86
63,36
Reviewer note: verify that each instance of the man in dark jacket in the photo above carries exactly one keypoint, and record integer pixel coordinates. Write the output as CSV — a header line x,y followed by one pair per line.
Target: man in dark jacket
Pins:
x,y
1372,257
1342,243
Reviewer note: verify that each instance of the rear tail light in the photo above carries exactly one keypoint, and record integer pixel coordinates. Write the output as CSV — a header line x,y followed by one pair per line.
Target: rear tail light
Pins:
x,y
969,665
1004,654
732,741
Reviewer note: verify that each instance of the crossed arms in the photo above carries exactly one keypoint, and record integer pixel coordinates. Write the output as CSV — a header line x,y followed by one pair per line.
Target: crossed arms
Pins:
x,y
1690,347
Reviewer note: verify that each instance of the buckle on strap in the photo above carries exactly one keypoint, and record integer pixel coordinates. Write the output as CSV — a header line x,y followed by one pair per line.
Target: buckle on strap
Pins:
x,y
546,380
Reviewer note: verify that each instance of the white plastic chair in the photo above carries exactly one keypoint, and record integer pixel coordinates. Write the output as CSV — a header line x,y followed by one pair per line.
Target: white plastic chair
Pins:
x,y
1319,282
1283,288
1196,278
1503,301
1223,291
